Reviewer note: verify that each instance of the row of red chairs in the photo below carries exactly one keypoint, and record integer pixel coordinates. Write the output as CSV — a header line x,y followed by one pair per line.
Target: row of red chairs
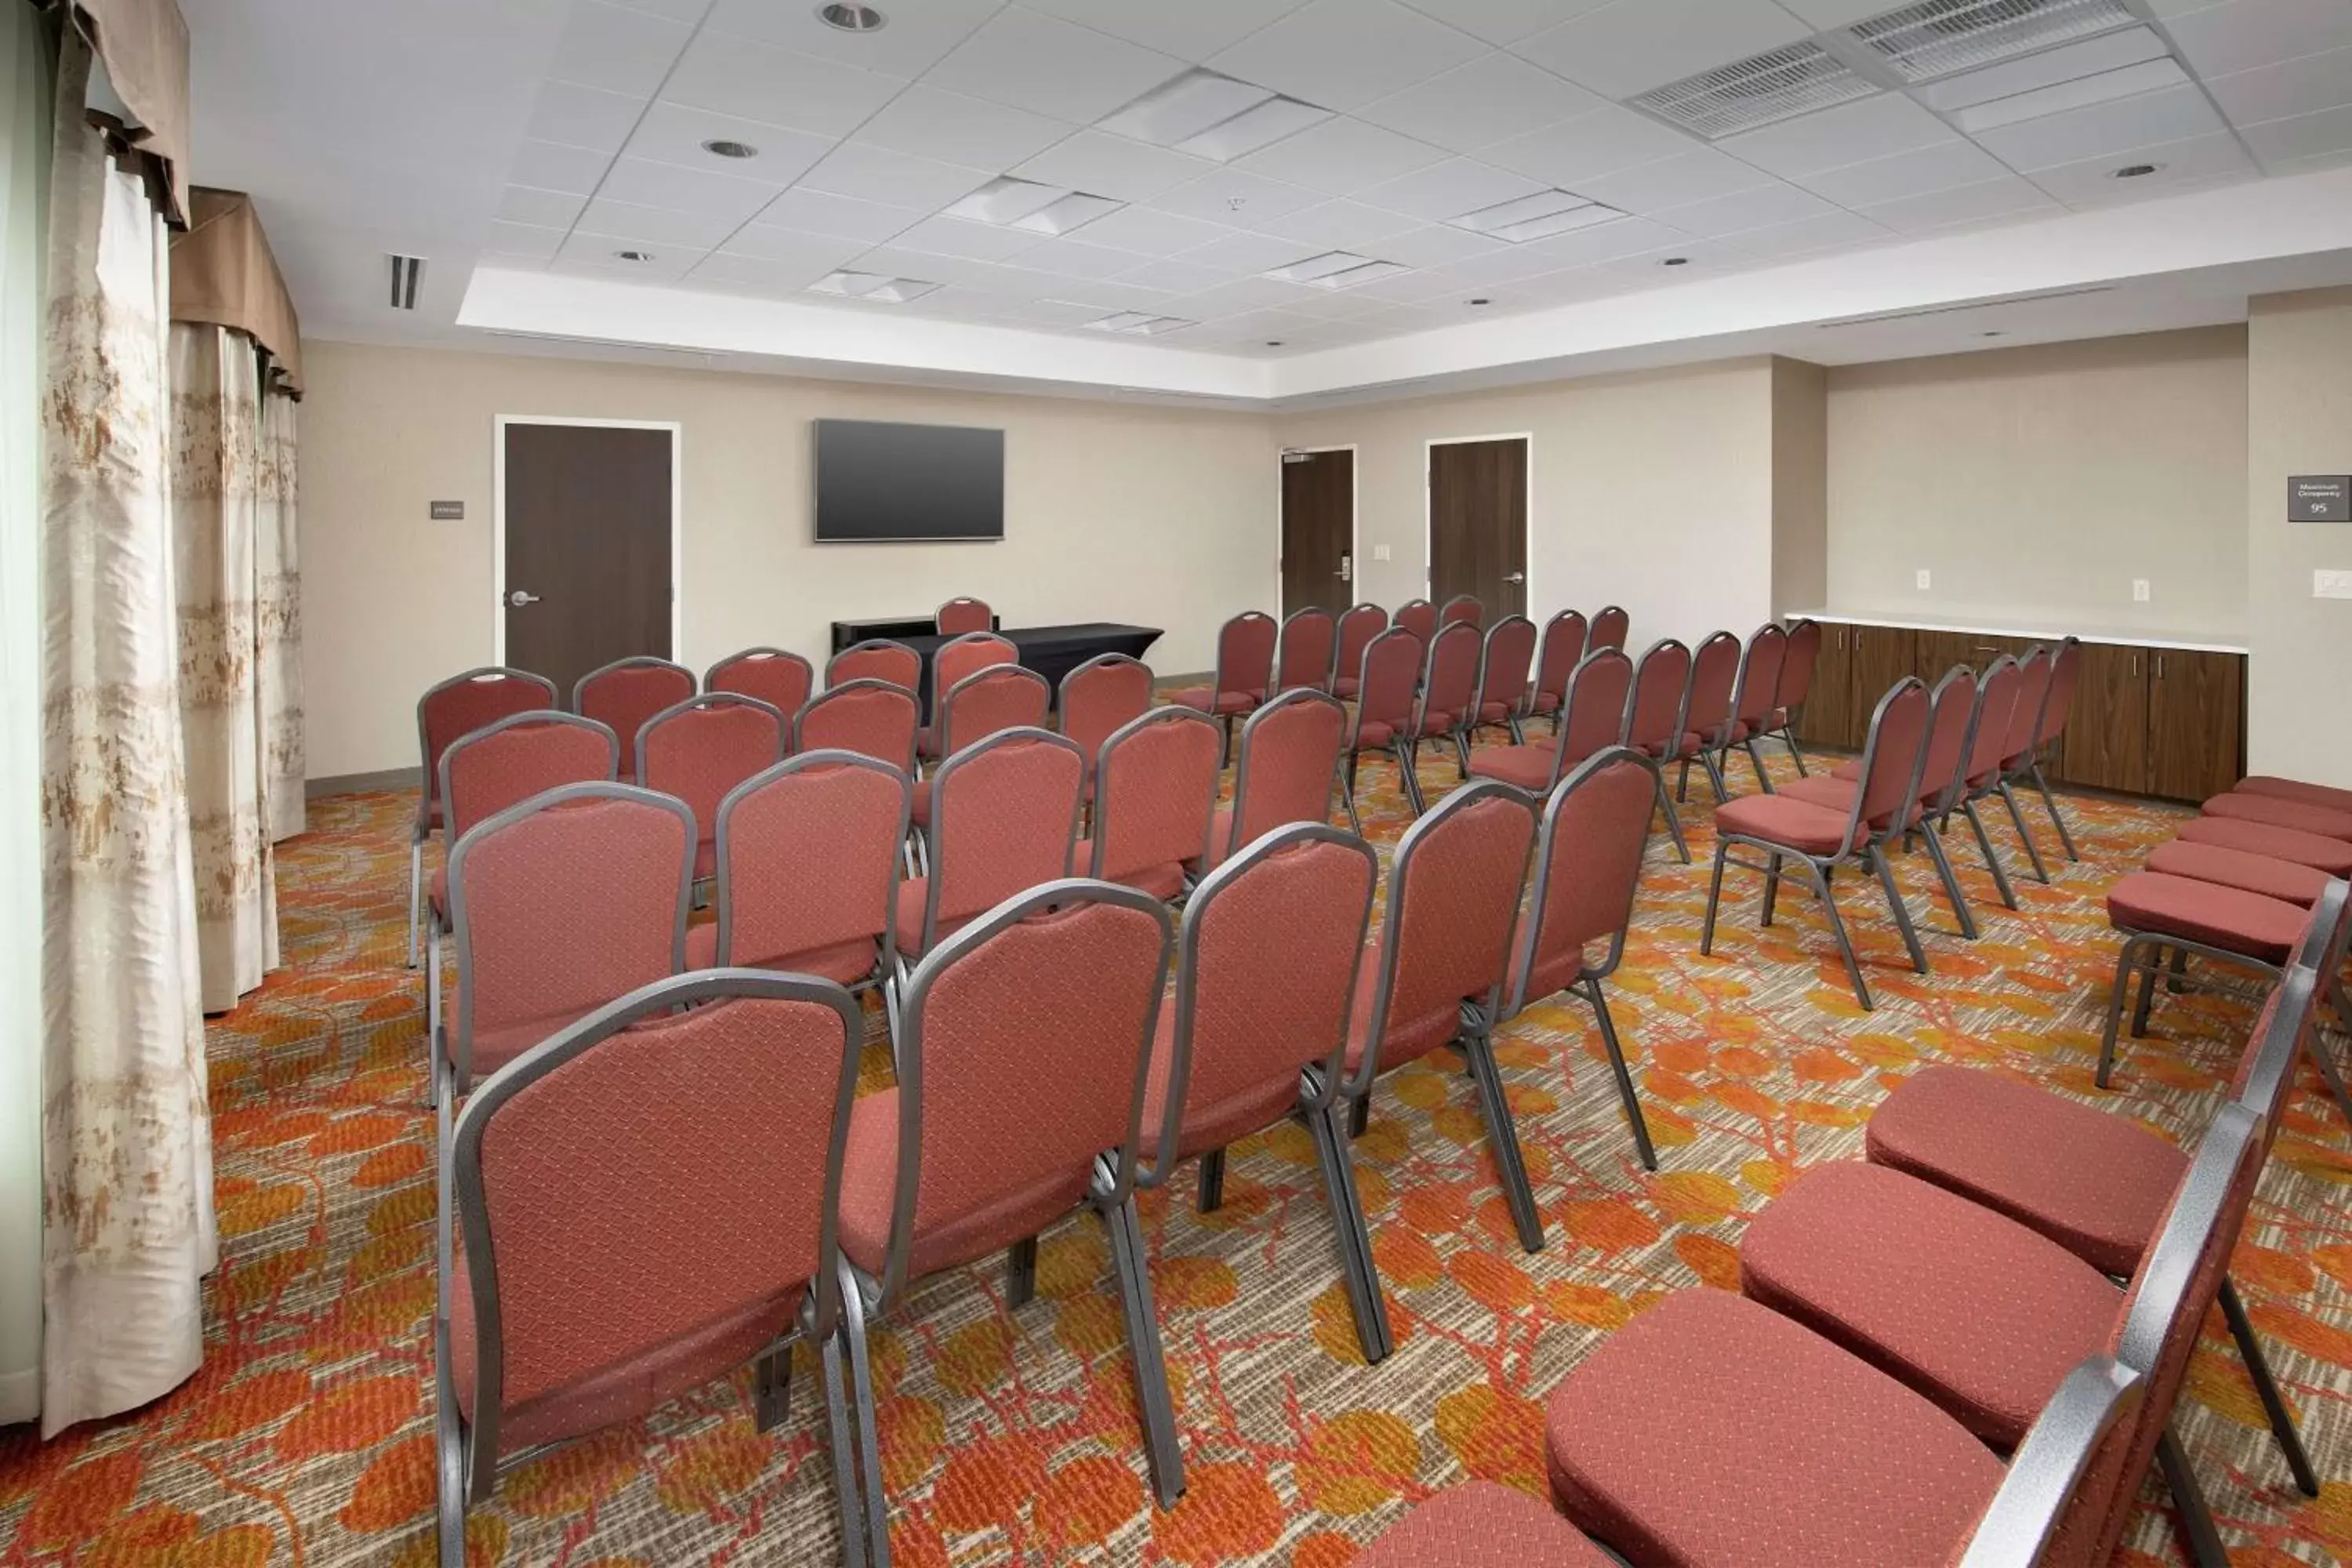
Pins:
x,y
2007,1272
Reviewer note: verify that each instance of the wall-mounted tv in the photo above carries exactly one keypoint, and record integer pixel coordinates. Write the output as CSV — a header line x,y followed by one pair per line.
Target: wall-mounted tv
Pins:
x,y
877,483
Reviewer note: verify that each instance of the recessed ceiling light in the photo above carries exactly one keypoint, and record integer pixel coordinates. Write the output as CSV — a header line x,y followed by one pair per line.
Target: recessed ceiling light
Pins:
x,y
1212,116
1274,342
1479,301
852,18
1011,203
879,287
635,255
722,148
1676,261
1142,323
2135,171
1334,269
1538,216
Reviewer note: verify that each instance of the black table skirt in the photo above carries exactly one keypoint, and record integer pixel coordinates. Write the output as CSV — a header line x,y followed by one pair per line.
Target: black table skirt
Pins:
x,y
1051,651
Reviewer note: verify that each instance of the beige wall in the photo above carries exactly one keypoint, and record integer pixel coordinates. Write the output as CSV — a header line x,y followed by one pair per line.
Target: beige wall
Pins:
x,y
2035,483
1159,516
2300,361
1800,479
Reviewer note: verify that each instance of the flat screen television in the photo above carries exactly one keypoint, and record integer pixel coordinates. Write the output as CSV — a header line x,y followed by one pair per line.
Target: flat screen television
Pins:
x,y
880,483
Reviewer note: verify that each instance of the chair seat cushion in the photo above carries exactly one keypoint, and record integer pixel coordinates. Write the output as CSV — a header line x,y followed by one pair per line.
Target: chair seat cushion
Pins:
x,y
1556,974
2325,796
1482,1525
2227,918
912,894
1212,701
956,1233
1541,702
494,1047
846,964
1403,1039
919,804
927,741
1344,686
1493,713
2096,1183
1972,1309
1371,735
2333,855
1687,746
1798,825
1850,770
1206,1127
1529,767
1825,790
2281,879
1709,1431
1434,721
2281,812
1163,882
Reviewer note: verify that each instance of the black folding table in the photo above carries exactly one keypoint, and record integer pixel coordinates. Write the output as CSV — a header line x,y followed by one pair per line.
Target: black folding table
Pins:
x,y
1051,651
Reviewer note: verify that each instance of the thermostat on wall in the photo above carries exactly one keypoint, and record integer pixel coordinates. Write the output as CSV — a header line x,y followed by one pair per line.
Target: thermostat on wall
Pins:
x,y
2319,497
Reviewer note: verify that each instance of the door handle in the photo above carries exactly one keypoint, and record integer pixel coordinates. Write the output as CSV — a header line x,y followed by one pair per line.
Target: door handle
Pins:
x,y
520,597
1347,569
1515,577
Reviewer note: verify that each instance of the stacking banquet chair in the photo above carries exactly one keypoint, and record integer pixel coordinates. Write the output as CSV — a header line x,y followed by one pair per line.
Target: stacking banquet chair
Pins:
x,y
958,660
1998,688
1418,616
1289,763
1596,827
1302,659
2296,846
1449,684
649,1201
808,869
1098,698
1803,652
1819,838
1708,717
1020,1097
626,693
874,718
2017,747
1594,720
1266,965
1611,626
1384,684
1463,609
1245,671
1001,696
2049,727
962,614
876,658
699,749
2294,814
1358,627
1155,799
1654,719
1751,700
1436,974
1503,668
1556,660
1985,1318
781,681
458,706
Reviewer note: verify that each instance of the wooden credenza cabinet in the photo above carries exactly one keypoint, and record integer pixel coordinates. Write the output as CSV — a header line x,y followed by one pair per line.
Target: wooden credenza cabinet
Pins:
x,y
2167,722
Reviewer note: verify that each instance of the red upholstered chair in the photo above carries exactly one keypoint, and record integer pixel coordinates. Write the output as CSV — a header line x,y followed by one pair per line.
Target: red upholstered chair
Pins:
x,y
2333,855
1289,763
1999,688
874,718
1804,651
958,660
2281,811
2049,729
1003,818
1418,616
1358,627
1155,799
1610,626
960,616
626,693
1449,683
1436,974
1303,657
1463,609
699,749
1594,720
781,681
1266,976
648,1202
458,706
1002,697
1556,660
1245,671
808,868
1654,719
1098,698
1022,1076
1758,690
1708,718
1596,828
1817,838
2322,795
1384,682
1503,668
876,658
2017,746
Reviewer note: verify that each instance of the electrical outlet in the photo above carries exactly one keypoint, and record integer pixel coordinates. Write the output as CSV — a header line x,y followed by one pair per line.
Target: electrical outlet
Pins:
x,y
1379,553
1922,579
2139,590
2327,585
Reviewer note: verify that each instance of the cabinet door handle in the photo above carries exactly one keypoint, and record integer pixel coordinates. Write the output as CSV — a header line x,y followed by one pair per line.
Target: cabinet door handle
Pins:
x,y
2160,667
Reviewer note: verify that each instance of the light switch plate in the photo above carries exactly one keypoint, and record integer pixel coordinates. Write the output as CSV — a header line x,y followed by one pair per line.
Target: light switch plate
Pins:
x,y
2327,585
1922,579
2139,590
1379,553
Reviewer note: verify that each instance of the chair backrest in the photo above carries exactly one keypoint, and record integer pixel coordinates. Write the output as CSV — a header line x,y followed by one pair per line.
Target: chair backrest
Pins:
x,y
1266,964
1464,608
1302,657
1418,616
1245,654
2058,703
1289,760
2050,1467
1611,626
1952,705
628,691
1661,686
1890,758
1996,694
2025,719
1594,714
1453,899
1715,670
463,704
1503,665
808,857
781,681
564,902
876,719
1449,678
1106,692
699,749
1358,627
1563,646
961,658
655,1168
1155,793
876,658
510,760
1386,676
1001,696
962,614
1023,1051
1760,676
1005,817
1797,669
1596,827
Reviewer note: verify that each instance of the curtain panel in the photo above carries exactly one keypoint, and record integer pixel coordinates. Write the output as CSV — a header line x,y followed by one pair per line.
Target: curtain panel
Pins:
x,y
278,577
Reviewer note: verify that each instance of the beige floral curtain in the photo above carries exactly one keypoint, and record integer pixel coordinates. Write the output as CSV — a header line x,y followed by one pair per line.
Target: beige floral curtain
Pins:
x,y
277,580
126,1133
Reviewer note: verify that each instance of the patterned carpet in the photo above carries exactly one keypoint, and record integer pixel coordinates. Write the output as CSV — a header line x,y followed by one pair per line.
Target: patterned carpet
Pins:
x,y
1010,1437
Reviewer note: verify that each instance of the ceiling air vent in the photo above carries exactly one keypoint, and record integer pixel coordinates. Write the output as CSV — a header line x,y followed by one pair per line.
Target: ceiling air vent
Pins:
x,y
408,272
1937,37
1779,84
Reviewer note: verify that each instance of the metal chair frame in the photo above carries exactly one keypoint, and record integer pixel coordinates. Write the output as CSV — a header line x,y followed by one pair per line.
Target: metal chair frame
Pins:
x,y
1583,640
969,640
1780,703
762,655
863,683
430,768
1099,854
1400,746
1515,695
1671,741
1710,746
807,762
1718,750
870,644
1282,644
1293,698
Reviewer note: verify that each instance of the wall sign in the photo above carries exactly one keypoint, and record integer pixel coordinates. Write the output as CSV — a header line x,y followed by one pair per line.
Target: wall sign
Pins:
x,y
449,511
2319,497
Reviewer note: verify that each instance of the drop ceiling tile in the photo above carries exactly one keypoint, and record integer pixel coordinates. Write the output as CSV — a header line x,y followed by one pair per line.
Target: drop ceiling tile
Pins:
x,y
931,268
2303,137
1826,14
1192,29
1448,190
673,133
1338,225
774,275
1435,245
2198,161
1344,53
1076,258
974,241
916,39
626,222
1835,230
1873,127
583,116
1503,21
1420,286
1514,264
617,49
1761,207
2304,86
1342,155
1944,165
1232,195
552,166
1241,294
2172,114
1149,232
2311,164
674,10
1691,260
2003,197
640,181
543,209
1176,275
1635,45
1626,236
1108,165
523,240
2245,34
959,128
1492,99
1050,67
759,82
1246,253
1589,146
893,179
1341,305
1675,182
819,212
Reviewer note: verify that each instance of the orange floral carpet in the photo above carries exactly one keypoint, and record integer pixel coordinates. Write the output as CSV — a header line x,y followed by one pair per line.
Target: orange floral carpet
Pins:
x,y
1010,1436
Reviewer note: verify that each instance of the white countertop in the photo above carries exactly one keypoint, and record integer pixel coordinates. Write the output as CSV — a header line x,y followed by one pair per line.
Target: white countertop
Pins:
x,y
2125,636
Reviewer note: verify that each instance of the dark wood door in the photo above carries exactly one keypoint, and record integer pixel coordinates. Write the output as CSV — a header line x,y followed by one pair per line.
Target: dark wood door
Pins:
x,y
1478,524
587,547
2195,724
2106,743
1882,655
1827,717
1318,528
